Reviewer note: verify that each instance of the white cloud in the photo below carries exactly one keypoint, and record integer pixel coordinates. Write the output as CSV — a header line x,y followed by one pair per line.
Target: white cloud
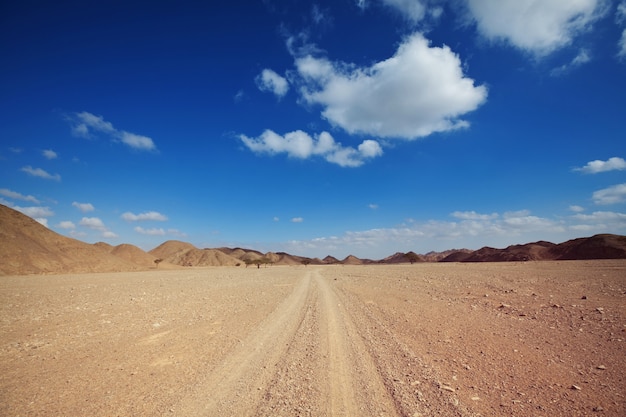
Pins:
x,y
622,45
271,82
597,166
85,124
150,232
297,220
414,10
299,144
35,212
582,58
93,223
67,225
373,206
610,195
140,142
276,219
620,18
38,172
239,96
470,230
150,215
536,26
49,154
576,209
472,215
418,91
17,196
84,207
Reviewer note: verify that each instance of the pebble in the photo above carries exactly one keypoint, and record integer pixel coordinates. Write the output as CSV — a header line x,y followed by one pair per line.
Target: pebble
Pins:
x,y
576,387
601,367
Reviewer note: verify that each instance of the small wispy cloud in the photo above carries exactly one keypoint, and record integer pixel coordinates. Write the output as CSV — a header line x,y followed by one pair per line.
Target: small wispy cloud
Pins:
x,y
40,173
611,195
150,232
612,164
147,216
49,154
95,223
157,231
373,206
620,18
86,125
17,196
297,220
582,58
84,207
272,82
35,212
67,225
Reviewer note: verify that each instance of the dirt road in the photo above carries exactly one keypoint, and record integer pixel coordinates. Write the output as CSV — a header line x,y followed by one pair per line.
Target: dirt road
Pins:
x,y
542,339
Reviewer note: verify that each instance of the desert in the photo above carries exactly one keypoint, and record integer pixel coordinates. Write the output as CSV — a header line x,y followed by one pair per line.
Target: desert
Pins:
x,y
479,339
101,330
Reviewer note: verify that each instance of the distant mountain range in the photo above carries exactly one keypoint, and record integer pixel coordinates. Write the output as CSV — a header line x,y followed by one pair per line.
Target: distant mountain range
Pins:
x,y
27,247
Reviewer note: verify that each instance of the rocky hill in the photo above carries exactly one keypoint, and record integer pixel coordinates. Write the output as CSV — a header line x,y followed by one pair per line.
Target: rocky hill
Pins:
x,y
27,247
602,246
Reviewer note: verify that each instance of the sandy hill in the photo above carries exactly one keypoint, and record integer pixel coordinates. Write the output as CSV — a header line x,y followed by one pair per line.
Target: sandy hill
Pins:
x,y
352,260
28,247
185,254
133,254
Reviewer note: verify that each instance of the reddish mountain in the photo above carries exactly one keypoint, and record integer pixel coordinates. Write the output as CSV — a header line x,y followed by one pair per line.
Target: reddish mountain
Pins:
x,y
603,246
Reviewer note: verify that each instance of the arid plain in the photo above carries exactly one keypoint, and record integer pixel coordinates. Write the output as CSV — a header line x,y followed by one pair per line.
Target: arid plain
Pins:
x,y
429,339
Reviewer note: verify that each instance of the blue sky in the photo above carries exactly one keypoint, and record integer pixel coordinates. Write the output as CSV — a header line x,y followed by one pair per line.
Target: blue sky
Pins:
x,y
317,128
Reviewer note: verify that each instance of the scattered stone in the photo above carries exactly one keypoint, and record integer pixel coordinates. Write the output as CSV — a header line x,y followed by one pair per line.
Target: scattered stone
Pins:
x,y
598,408
576,387
601,367
475,398
600,310
447,388
584,297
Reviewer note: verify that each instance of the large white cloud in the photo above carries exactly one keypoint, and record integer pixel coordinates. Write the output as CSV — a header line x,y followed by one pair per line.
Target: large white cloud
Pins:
x,y
299,144
85,124
418,91
537,26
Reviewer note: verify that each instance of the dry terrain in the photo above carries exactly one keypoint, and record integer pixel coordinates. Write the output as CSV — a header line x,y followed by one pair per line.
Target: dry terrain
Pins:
x,y
430,339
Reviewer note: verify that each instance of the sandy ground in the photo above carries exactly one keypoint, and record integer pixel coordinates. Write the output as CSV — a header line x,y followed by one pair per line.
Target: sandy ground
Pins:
x,y
488,339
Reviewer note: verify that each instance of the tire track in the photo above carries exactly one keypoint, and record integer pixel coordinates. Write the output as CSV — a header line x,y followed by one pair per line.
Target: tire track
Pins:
x,y
355,386
234,387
